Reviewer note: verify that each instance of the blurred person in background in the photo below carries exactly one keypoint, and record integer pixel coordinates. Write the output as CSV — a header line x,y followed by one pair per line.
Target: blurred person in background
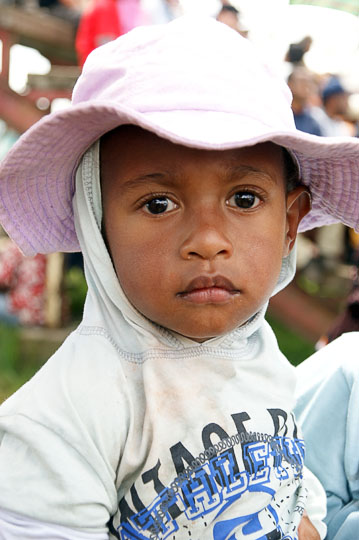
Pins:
x,y
230,16
353,113
68,10
296,51
327,410
302,84
105,20
334,111
22,285
332,119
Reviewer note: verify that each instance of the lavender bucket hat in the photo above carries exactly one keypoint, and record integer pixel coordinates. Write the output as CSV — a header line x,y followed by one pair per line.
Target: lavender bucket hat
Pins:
x,y
193,81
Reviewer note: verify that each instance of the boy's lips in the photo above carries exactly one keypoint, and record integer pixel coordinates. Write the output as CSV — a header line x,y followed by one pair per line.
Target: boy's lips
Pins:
x,y
209,290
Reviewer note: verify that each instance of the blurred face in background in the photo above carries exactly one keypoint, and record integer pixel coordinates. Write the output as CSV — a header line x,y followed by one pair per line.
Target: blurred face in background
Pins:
x,y
337,105
303,87
230,18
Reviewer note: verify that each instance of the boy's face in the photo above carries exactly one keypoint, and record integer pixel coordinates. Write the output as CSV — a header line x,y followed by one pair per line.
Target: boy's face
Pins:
x,y
196,237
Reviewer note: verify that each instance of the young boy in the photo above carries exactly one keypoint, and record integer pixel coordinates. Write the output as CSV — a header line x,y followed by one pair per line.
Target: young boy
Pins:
x,y
167,413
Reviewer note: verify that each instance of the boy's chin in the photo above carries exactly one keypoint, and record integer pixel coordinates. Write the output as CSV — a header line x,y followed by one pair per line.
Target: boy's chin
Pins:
x,y
206,324
201,339
206,336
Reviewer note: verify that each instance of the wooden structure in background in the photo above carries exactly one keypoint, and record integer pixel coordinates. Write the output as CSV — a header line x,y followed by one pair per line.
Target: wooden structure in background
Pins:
x,y
54,39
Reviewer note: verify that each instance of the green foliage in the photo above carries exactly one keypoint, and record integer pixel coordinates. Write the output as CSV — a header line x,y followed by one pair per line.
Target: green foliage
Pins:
x,y
292,345
22,353
75,291
10,378
9,347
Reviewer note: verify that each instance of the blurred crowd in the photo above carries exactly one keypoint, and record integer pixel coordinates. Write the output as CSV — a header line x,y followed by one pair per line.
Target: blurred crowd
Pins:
x,y
321,106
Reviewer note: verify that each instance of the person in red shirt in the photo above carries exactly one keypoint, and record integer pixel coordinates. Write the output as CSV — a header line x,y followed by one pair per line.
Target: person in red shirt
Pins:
x,y
98,25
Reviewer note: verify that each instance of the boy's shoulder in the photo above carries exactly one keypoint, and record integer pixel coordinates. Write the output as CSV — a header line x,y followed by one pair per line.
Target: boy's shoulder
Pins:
x,y
79,374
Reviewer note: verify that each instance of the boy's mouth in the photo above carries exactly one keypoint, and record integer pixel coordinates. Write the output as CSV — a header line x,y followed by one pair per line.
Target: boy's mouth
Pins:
x,y
209,290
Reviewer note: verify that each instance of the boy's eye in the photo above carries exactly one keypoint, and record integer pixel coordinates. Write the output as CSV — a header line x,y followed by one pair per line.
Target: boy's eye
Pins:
x,y
244,200
159,205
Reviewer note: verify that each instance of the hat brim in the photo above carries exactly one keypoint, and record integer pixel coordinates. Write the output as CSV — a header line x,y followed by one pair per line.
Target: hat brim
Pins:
x,y
37,176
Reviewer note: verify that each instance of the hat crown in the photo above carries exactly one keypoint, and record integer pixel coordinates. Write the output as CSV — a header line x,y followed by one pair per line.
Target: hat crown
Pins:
x,y
189,64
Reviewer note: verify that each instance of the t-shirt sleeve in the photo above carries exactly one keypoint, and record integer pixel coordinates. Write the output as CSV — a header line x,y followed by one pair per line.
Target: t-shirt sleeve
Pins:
x,y
61,437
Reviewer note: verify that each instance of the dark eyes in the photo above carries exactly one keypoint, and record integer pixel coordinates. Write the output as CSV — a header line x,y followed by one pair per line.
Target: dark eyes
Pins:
x,y
244,200
159,205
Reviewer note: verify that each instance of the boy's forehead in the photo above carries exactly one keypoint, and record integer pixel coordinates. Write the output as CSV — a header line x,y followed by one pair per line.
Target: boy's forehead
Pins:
x,y
131,145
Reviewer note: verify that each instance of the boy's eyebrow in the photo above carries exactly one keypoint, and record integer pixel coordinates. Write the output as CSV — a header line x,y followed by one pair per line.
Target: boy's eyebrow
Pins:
x,y
243,170
146,178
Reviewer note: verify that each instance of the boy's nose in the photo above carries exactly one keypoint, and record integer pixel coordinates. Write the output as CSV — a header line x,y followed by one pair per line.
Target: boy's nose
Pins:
x,y
207,241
